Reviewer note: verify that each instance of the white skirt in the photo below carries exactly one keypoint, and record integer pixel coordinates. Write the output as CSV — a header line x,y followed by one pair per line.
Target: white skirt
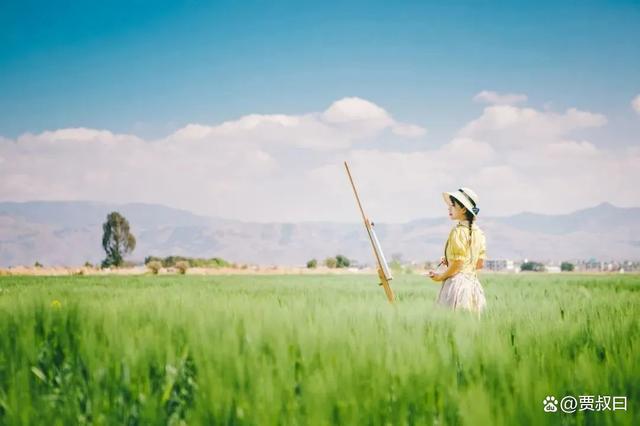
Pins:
x,y
462,291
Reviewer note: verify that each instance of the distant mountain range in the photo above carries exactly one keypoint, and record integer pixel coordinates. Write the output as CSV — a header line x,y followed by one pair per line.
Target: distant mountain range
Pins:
x,y
69,233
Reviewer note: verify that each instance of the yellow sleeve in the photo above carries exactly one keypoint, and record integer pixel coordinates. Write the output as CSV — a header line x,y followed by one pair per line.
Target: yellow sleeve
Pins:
x,y
458,244
483,246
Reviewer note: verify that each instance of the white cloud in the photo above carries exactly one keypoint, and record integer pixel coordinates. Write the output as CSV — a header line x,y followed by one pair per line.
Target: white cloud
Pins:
x,y
408,130
467,151
517,159
344,123
635,104
247,168
489,97
350,110
506,125
366,118
278,167
79,134
540,166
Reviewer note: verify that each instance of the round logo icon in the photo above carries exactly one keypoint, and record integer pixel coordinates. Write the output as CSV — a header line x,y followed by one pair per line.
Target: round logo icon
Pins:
x,y
550,404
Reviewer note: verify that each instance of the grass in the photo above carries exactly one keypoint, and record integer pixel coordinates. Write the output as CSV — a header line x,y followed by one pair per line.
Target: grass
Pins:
x,y
313,350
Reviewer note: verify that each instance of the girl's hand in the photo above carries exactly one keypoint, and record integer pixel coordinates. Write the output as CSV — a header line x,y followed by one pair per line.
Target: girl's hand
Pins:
x,y
435,276
443,261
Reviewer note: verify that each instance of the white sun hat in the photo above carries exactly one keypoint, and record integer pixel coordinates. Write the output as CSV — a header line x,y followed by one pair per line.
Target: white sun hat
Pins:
x,y
467,198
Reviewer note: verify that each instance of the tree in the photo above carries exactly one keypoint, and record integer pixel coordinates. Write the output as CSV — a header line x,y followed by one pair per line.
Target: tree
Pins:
x,y
312,263
567,266
330,262
149,259
396,266
154,266
532,266
342,261
117,239
182,266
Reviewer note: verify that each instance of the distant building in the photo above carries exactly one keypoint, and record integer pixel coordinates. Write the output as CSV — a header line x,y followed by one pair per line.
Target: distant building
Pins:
x,y
497,265
552,268
593,265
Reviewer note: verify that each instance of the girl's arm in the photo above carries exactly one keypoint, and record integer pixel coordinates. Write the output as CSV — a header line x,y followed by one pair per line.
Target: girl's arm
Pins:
x,y
480,264
454,267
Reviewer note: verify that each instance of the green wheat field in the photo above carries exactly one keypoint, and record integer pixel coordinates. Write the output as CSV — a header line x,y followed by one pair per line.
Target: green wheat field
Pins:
x,y
313,349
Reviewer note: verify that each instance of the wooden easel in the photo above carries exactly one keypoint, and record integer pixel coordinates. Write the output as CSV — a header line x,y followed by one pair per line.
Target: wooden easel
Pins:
x,y
381,262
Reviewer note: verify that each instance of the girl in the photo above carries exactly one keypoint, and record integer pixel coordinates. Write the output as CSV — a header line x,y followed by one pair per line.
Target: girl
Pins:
x,y
464,253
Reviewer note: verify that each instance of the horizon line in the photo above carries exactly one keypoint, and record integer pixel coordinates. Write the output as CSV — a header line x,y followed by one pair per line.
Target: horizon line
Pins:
x,y
603,203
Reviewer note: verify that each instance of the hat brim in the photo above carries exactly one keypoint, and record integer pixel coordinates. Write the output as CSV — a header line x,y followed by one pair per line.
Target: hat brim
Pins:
x,y
458,196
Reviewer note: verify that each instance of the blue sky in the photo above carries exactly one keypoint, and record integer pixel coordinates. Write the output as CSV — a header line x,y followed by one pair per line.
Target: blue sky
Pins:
x,y
151,67
98,101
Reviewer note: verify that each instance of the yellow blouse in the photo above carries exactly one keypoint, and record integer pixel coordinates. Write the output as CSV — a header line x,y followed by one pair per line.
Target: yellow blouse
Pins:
x,y
459,248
